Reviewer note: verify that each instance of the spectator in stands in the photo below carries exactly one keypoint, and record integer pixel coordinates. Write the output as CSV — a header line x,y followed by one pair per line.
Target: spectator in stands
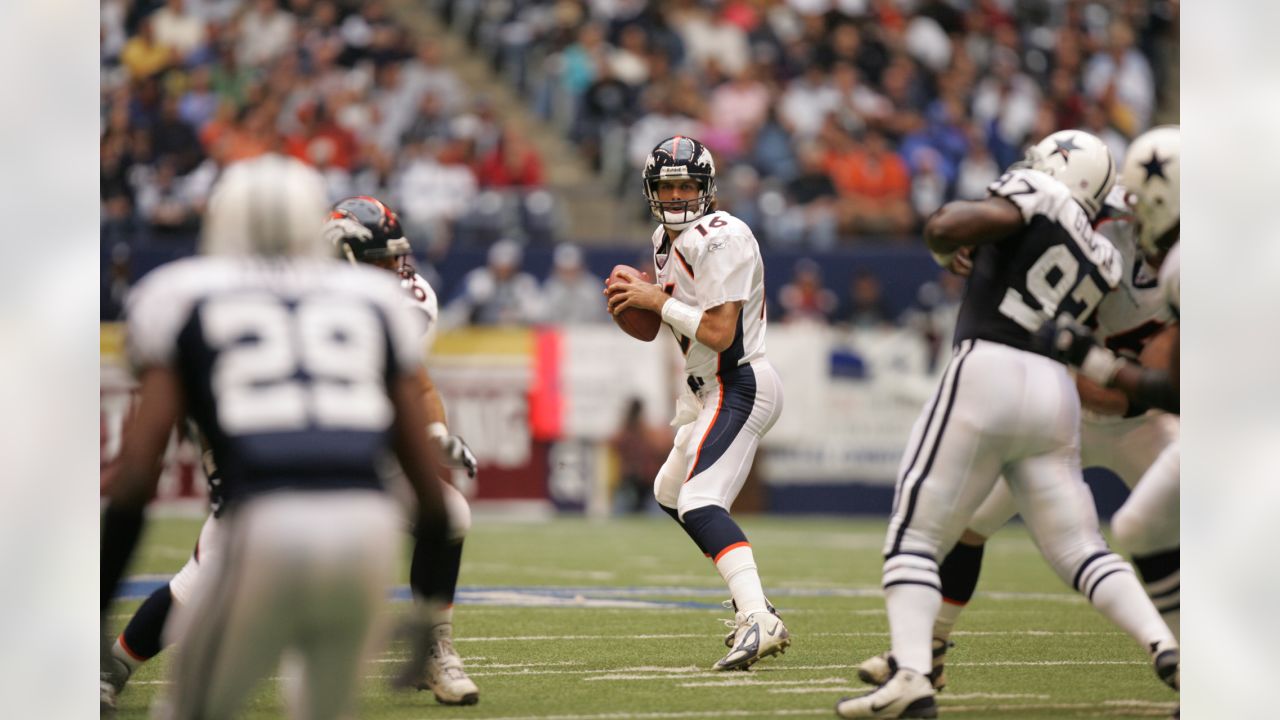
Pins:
x,y
172,138
641,449
427,74
977,169
629,62
806,103
498,293
805,298
1120,78
865,306
1095,121
431,121
319,138
199,103
571,295
265,32
928,184
164,200
143,55
178,29
812,199
874,184
434,188
513,163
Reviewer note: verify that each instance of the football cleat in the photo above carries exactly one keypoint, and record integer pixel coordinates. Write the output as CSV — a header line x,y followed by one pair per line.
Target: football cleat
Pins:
x,y
106,697
757,636
1166,663
877,670
908,694
734,623
444,675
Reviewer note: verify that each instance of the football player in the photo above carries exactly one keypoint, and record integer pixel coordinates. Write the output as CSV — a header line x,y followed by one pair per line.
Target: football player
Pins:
x,y
1147,524
1122,435
361,230
364,230
300,371
1004,407
710,293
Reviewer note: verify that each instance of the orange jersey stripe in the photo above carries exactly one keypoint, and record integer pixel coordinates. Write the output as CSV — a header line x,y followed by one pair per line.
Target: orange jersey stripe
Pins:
x,y
697,455
734,546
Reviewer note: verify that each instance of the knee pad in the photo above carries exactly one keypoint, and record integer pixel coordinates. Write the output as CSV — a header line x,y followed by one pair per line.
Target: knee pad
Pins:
x,y
910,569
459,512
713,529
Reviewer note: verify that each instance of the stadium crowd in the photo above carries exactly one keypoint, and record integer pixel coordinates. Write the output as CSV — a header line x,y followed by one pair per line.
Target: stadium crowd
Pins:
x,y
834,123
832,119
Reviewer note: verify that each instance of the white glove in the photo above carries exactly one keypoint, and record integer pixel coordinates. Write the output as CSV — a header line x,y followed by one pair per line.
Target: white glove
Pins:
x,y
336,230
454,448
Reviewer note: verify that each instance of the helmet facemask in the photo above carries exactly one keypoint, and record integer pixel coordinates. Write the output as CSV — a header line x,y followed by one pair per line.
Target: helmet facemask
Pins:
x,y
680,214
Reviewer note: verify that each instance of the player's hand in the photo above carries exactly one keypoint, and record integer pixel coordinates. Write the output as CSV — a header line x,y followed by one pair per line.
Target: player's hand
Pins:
x,y
1065,341
635,293
459,453
962,263
1068,341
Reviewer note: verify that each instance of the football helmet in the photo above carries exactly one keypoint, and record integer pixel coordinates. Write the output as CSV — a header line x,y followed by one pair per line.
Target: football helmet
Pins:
x,y
1151,173
1078,160
677,158
363,229
269,205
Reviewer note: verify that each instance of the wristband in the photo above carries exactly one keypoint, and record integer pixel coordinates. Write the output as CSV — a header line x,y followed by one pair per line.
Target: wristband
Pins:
x,y
1101,365
437,430
684,318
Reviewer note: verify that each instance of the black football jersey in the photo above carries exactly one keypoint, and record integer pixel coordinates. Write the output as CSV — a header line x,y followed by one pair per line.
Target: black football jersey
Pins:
x,y
285,365
1055,265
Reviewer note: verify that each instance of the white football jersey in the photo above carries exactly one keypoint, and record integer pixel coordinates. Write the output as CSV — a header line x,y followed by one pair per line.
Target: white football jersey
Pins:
x,y
423,298
1136,310
714,261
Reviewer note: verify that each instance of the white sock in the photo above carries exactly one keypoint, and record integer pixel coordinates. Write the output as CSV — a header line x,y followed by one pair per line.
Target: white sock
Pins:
x,y
1121,599
119,652
946,620
912,609
738,568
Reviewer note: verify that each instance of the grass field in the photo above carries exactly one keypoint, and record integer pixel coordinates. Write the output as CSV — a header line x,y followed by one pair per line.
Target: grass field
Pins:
x,y
582,620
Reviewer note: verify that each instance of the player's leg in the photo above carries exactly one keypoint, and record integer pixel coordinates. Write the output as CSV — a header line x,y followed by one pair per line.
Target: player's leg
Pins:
x,y
948,468
235,626
345,601
720,452
959,573
145,635
1147,527
671,477
433,577
1060,513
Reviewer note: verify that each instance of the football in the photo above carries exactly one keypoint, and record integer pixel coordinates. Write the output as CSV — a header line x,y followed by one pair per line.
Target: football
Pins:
x,y
636,322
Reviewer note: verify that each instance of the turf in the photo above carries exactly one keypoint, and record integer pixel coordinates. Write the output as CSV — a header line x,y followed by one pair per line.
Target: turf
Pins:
x,y
583,620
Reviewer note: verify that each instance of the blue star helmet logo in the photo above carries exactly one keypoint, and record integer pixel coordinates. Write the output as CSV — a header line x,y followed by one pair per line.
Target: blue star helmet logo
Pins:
x,y
1155,167
1064,146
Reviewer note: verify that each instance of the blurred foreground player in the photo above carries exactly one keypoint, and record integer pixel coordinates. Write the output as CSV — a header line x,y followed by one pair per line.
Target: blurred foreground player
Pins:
x,y
710,291
300,371
363,230
1004,408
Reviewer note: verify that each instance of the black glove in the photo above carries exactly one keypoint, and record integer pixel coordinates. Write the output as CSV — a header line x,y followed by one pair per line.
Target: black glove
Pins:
x,y
1065,341
1069,342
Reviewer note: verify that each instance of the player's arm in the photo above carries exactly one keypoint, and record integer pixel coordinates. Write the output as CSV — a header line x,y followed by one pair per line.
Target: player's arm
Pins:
x,y
714,327
1074,345
418,459
719,325
160,405
1104,401
965,223
454,447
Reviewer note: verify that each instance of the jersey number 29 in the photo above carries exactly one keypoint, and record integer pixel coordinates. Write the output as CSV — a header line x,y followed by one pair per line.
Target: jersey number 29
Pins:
x,y
1053,278
319,363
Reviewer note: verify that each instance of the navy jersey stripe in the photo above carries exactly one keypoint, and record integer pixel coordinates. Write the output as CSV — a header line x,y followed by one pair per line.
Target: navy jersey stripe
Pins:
x,y
737,400
933,454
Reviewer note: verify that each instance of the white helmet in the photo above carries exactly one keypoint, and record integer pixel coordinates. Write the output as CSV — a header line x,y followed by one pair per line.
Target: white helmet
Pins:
x,y
1152,168
270,205
1078,160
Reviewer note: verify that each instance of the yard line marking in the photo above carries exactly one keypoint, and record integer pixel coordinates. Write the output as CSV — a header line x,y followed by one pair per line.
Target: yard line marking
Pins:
x,y
716,713
749,681
1153,710
686,636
